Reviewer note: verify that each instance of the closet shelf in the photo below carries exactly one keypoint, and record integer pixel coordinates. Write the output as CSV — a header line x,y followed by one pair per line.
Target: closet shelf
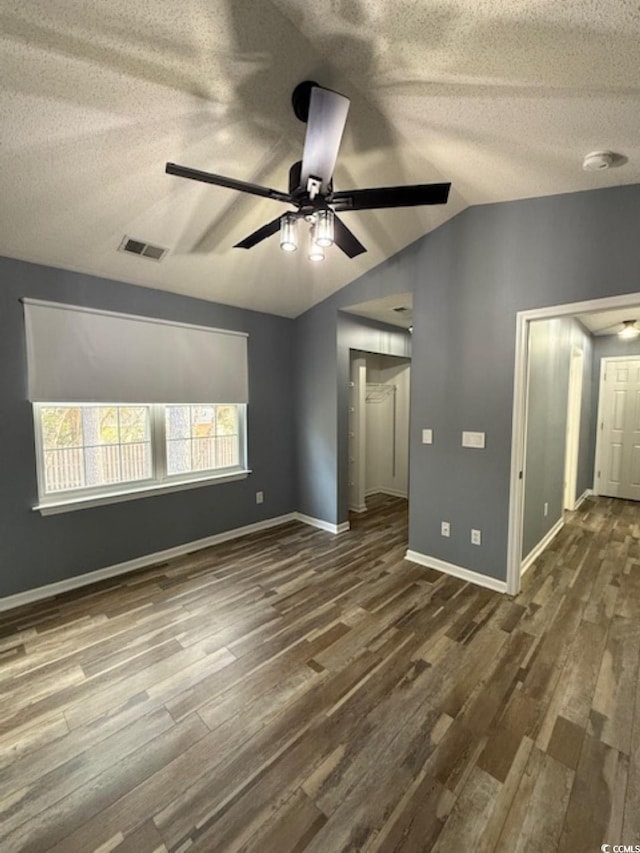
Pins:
x,y
377,392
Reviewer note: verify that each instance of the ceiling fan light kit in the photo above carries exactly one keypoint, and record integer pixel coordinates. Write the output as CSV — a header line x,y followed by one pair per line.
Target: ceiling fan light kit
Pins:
x,y
311,182
629,330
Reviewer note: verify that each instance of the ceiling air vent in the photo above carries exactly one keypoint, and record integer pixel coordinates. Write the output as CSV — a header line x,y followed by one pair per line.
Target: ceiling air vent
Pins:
x,y
145,250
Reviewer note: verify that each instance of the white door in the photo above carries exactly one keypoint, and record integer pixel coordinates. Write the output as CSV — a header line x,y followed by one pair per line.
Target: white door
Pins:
x,y
618,473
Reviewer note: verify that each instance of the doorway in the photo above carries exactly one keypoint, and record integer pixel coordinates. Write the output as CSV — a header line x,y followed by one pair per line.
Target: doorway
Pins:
x,y
378,427
519,417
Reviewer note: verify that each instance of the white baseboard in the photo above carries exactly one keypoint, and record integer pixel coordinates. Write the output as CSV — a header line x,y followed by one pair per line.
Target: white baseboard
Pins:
x,y
49,590
586,494
360,508
393,493
321,524
457,571
535,552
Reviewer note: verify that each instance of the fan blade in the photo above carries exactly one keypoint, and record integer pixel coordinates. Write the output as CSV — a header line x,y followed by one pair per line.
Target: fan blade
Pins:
x,y
221,181
345,239
325,126
259,235
378,197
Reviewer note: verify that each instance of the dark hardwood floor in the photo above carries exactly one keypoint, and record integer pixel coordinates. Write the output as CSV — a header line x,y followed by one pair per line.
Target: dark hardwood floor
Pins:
x,y
294,690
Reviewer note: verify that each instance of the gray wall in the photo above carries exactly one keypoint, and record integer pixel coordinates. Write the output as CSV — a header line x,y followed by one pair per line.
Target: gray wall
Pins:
x,y
469,278
36,550
550,345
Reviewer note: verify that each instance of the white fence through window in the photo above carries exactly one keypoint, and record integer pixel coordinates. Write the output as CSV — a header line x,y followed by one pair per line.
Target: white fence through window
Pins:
x,y
68,468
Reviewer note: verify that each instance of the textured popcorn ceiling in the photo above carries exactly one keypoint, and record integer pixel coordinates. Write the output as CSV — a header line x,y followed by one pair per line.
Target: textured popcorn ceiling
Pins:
x,y
503,99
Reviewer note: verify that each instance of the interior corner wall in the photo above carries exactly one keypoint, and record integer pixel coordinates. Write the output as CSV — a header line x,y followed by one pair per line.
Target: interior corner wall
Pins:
x,y
37,550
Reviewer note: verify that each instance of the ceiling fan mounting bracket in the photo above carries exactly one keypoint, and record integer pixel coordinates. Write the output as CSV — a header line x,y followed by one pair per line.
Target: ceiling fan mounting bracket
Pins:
x,y
314,185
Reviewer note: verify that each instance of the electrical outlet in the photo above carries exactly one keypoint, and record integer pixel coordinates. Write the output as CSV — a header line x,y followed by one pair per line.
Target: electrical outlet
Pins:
x,y
476,537
259,497
427,436
546,508
445,528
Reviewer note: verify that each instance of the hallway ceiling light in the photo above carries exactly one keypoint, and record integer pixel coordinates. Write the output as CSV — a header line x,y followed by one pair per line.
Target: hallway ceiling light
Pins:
x,y
629,330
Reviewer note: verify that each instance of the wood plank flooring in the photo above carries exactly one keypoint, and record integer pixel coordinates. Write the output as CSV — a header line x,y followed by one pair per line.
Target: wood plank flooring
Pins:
x,y
294,690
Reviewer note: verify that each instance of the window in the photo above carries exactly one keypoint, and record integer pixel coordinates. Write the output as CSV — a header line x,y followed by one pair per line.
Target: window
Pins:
x,y
94,378
86,447
201,438
95,450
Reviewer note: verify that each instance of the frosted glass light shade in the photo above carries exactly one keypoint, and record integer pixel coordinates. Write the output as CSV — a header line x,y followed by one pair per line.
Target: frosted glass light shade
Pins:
x,y
288,233
316,252
324,228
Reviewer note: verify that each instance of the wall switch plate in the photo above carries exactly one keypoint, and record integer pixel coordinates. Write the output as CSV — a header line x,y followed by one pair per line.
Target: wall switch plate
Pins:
x,y
259,497
546,508
427,436
445,528
476,537
473,439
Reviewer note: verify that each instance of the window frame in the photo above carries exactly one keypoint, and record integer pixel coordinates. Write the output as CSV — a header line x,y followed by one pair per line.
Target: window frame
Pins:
x,y
160,481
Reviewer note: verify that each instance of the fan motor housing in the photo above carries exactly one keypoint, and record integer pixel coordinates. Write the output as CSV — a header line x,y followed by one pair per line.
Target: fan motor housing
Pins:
x,y
296,189
294,177
301,98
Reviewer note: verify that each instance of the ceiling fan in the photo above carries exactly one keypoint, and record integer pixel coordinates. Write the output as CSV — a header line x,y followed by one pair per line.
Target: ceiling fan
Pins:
x,y
311,182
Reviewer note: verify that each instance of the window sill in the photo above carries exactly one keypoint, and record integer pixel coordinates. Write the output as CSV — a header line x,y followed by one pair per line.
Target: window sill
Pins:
x,y
87,501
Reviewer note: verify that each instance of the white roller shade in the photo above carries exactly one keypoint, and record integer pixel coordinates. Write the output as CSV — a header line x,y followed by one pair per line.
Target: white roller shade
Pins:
x,y
78,355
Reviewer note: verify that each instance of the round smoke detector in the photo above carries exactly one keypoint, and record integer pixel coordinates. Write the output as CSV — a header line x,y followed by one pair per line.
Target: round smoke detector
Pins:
x,y
598,160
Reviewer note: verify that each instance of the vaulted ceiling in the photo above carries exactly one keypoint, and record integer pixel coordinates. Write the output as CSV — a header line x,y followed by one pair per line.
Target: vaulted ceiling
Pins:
x,y
503,99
